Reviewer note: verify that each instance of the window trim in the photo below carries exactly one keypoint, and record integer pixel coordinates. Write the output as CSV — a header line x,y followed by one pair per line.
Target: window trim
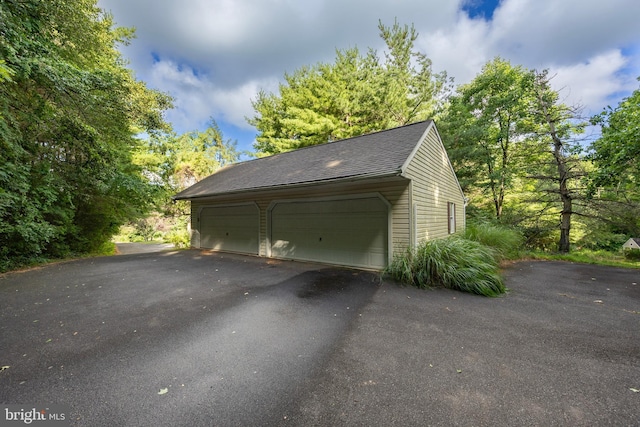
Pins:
x,y
451,217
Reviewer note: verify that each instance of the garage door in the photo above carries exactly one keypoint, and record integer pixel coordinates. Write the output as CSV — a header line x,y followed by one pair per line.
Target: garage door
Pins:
x,y
347,232
230,228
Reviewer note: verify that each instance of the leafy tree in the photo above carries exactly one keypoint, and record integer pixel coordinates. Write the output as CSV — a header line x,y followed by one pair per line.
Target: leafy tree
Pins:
x,y
70,110
356,94
615,183
488,130
174,162
617,151
198,154
5,73
612,221
171,163
513,146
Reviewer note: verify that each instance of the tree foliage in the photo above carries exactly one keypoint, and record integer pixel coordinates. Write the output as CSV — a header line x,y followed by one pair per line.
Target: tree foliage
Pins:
x,y
354,95
70,111
174,162
512,144
615,181
488,130
617,151
557,125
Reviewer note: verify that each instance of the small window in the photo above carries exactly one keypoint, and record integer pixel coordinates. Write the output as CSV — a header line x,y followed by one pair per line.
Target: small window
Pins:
x,y
451,211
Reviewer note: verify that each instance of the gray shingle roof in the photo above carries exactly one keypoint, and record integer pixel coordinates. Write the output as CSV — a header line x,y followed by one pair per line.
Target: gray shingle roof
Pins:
x,y
372,155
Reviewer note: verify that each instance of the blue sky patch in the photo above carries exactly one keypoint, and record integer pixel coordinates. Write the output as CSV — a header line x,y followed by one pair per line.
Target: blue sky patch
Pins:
x,y
480,8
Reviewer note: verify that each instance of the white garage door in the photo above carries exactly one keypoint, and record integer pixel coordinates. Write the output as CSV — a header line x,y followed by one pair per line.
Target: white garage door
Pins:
x,y
230,228
347,232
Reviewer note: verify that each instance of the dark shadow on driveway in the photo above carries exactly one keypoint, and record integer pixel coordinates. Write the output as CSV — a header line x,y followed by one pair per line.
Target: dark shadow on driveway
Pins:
x,y
233,339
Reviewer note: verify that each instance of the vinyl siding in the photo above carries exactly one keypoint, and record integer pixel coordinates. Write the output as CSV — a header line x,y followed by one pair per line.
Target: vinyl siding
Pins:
x,y
631,244
395,191
433,186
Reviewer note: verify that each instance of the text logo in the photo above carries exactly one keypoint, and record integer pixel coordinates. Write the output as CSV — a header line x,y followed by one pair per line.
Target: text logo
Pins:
x,y
36,415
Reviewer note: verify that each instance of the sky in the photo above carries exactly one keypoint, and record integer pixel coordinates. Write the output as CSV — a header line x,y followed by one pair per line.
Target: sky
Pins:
x,y
214,56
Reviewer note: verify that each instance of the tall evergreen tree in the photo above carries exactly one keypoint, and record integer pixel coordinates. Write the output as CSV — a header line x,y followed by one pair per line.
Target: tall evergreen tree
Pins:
x,y
557,126
354,95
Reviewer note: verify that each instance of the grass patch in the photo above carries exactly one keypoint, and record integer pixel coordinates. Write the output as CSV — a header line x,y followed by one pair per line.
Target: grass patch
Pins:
x,y
586,256
7,265
17,264
454,263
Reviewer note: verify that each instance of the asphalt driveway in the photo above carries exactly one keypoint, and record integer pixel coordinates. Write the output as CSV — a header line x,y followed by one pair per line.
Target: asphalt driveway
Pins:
x,y
142,247
190,338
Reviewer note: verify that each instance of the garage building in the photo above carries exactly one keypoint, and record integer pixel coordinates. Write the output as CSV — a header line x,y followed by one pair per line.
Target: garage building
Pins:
x,y
351,202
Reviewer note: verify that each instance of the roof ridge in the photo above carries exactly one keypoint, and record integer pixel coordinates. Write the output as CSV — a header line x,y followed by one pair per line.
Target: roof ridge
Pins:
x,y
323,144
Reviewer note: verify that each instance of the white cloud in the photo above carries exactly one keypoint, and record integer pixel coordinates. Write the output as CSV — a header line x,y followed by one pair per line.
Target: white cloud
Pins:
x,y
236,102
243,39
535,31
214,55
197,98
592,83
458,49
579,42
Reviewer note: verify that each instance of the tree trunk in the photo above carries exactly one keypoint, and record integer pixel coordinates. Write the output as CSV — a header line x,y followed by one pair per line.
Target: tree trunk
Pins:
x,y
564,244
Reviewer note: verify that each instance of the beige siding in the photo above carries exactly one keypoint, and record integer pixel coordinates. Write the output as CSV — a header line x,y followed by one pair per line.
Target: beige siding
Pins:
x,y
630,244
395,191
433,186
194,227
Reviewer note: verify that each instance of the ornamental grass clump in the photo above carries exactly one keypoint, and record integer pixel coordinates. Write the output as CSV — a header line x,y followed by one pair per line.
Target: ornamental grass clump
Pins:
x,y
504,241
453,262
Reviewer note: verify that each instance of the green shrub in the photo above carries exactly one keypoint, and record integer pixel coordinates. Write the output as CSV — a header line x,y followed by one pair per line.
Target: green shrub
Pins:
x,y
179,233
540,238
453,262
596,239
15,263
179,238
106,248
504,241
632,254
